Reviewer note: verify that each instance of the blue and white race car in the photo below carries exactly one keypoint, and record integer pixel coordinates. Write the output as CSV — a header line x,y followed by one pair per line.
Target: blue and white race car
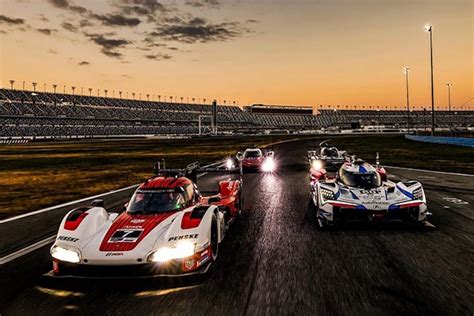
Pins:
x,y
361,192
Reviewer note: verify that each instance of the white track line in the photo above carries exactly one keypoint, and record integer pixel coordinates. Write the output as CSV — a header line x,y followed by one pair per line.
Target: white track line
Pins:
x,y
52,208
65,204
432,171
27,250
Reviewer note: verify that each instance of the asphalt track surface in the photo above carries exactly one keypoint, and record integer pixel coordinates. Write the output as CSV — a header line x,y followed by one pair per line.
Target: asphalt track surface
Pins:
x,y
275,260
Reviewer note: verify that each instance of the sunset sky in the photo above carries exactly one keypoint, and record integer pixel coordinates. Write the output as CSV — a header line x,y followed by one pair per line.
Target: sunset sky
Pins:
x,y
327,52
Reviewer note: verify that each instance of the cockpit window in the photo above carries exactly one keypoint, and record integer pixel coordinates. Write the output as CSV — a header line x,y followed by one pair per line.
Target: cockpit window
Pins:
x,y
367,180
252,154
152,202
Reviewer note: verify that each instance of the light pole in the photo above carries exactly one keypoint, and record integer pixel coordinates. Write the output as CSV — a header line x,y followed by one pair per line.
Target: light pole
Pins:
x,y
23,85
90,92
407,70
64,89
73,88
449,85
54,87
34,86
120,94
44,87
12,82
105,92
429,28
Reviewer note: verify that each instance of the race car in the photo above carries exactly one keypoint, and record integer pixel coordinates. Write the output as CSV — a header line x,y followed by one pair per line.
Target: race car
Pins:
x,y
361,192
255,159
168,228
331,157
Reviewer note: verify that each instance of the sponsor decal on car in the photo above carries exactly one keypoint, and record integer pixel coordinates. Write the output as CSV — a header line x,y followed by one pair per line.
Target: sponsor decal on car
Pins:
x,y
126,235
67,238
191,236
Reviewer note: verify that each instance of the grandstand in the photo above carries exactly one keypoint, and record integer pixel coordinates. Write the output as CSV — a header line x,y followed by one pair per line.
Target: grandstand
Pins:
x,y
41,114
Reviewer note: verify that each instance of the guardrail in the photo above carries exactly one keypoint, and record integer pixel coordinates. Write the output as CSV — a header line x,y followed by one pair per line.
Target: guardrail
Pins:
x,y
457,141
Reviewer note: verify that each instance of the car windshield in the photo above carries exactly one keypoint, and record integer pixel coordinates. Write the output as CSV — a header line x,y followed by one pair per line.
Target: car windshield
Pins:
x,y
252,154
151,202
368,180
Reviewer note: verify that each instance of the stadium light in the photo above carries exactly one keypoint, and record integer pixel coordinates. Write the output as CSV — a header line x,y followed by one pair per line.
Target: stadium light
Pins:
x,y
171,98
82,90
54,87
23,85
34,86
193,99
159,98
449,85
73,88
64,89
407,71
44,87
133,95
120,94
105,92
204,100
429,29
90,92
12,82
148,97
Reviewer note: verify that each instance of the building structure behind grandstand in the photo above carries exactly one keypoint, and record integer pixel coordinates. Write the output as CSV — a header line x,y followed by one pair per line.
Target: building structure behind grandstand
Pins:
x,y
27,114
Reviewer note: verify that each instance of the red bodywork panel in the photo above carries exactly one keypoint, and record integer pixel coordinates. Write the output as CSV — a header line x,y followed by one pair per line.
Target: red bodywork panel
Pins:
x,y
140,224
74,219
252,162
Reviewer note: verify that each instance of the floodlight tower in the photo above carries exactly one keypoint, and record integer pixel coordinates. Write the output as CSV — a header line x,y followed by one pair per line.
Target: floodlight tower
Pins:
x,y
407,71
429,29
449,85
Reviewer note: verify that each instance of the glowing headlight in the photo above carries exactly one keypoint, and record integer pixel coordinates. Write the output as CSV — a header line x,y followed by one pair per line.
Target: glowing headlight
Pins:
x,y
327,194
63,254
317,164
229,164
418,194
268,165
182,250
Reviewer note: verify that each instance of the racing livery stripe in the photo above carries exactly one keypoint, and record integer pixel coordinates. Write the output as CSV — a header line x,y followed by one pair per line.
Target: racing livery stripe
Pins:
x,y
129,222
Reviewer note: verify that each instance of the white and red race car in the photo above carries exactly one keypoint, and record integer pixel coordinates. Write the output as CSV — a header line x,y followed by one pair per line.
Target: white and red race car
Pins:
x,y
168,228
255,159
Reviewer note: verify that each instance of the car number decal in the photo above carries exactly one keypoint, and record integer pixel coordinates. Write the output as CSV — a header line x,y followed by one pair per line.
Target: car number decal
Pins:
x,y
126,235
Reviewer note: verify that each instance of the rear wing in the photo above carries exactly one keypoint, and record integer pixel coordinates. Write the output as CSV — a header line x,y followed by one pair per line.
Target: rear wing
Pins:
x,y
192,170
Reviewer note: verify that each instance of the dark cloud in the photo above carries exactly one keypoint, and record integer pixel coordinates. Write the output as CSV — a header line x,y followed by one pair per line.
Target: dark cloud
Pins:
x,y
116,20
197,30
66,5
46,31
70,27
84,63
159,56
51,51
141,7
12,21
202,3
108,45
252,21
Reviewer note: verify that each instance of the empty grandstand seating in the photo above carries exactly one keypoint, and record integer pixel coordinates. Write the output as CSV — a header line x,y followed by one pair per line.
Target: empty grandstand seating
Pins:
x,y
33,114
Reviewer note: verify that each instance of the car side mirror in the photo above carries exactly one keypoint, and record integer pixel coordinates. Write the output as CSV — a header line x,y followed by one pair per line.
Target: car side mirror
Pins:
x,y
97,203
214,199
125,206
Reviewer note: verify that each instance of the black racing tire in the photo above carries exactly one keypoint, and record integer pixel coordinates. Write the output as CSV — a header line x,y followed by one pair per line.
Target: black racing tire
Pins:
x,y
214,238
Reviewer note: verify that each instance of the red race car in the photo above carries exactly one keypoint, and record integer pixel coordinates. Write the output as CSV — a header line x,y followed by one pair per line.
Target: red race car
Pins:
x,y
254,159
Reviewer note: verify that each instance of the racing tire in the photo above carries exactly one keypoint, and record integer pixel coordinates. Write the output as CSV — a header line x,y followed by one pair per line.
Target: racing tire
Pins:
x,y
214,238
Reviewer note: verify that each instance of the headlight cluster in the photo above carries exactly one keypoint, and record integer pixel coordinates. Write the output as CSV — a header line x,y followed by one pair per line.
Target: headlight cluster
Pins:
x,y
268,165
181,250
229,164
327,194
67,255
317,165
418,194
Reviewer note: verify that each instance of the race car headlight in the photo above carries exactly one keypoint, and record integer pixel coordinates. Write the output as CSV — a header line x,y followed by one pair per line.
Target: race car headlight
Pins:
x,y
268,165
327,194
229,164
181,250
418,194
317,165
67,255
